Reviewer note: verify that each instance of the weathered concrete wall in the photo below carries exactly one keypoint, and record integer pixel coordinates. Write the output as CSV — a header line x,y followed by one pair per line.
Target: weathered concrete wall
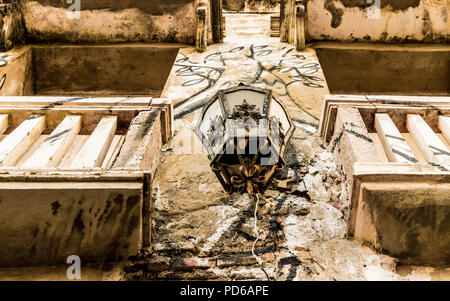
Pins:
x,y
124,69
398,21
385,69
102,70
410,221
44,223
111,21
16,76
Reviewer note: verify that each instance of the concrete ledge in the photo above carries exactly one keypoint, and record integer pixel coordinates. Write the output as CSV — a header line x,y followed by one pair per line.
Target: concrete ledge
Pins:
x,y
101,213
405,213
44,223
402,209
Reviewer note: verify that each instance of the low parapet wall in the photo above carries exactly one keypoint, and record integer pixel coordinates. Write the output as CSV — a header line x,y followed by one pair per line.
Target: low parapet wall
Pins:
x,y
395,151
76,176
382,21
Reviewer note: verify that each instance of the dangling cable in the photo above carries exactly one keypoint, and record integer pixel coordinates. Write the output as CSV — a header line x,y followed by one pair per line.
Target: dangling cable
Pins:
x,y
255,230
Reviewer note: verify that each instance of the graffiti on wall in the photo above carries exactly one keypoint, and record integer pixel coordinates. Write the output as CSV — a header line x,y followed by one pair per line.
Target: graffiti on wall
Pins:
x,y
3,63
274,68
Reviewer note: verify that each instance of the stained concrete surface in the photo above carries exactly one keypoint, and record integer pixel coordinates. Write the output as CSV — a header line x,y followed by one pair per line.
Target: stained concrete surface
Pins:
x,y
110,21
393,22
200,232
386,69
126,69
96,221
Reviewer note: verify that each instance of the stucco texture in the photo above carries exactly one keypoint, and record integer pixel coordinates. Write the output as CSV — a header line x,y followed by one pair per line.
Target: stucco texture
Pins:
x,y
395,21
111,21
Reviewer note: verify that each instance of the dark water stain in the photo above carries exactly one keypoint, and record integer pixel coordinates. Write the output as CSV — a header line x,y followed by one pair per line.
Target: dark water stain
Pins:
x,y
78,222
337,13
34,231
132,201
394,4
33,250
427,29
55,206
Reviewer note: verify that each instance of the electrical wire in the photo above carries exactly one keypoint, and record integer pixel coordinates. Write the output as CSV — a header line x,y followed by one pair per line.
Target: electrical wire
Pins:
x,y
256,231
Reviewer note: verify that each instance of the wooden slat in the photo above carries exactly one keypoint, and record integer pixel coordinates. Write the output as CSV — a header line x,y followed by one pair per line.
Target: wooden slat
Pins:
x,y
396,148
53,149
4,124
94,150
113,151
434,150
444,126
19,141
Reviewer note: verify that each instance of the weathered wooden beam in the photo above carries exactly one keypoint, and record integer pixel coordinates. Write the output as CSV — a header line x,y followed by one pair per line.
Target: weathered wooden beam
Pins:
x,y
217,19
12,29
167,118
4,124
300,39
94,150
19,141
142,144
433,149
53,149
274,26
201,38
291,33
283,29
113,152
444,126
395,146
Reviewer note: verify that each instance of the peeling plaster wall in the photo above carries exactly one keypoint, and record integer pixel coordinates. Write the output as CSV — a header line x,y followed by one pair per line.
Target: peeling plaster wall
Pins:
x,y
399,20
111,21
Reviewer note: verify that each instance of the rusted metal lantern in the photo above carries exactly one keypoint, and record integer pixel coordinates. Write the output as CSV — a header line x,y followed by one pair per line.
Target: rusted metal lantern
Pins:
x,y
245,131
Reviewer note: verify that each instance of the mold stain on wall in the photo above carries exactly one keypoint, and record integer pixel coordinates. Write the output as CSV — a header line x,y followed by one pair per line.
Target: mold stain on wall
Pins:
x,y
337,13
400,21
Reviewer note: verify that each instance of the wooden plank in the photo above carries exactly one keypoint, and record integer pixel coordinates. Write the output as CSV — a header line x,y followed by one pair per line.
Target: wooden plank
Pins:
x,y
94,150
444,126
434,150
217,18
201,38
300,39
395,146
19,141
291,32
113,151
274,26
283,21
167,118
50,153
4,124
72,152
